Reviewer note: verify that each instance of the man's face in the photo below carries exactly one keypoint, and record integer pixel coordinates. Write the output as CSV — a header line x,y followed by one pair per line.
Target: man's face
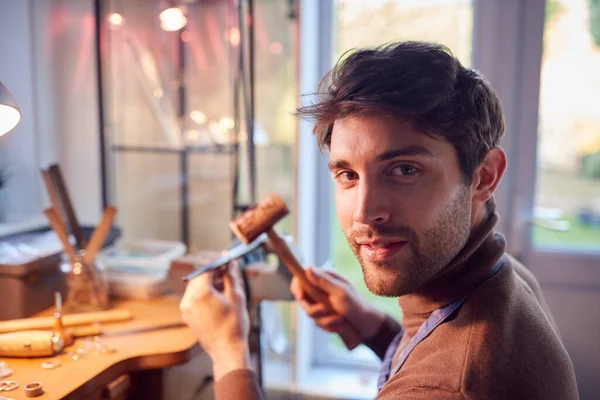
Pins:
x,y
400,199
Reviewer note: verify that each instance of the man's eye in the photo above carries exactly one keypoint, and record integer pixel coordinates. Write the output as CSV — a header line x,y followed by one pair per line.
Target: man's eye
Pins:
x,y
346,176
404,170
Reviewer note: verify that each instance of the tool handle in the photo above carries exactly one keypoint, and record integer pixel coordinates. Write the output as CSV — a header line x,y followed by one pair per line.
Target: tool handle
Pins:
x,y
32,343
349,334
85,331
99,235
65,199
67,320
60,230
53,196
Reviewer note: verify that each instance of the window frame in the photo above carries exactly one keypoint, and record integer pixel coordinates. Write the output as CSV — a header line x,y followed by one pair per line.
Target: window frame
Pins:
x,y
313,182
506,30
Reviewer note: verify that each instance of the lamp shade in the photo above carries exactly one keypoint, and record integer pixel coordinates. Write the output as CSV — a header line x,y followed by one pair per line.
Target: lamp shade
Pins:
x,y
9,112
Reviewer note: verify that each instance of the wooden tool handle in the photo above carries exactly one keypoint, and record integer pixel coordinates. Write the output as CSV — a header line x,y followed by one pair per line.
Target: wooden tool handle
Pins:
x,y
60,231
63,194
99,235
349,334
68,320
69,335
53,195
32,343
85,331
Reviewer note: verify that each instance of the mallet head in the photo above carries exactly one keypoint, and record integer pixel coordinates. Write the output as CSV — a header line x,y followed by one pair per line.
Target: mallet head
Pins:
x,y
259,218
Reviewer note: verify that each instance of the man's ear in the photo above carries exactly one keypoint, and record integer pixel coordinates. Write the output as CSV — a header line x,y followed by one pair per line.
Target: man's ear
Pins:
x,y
488,175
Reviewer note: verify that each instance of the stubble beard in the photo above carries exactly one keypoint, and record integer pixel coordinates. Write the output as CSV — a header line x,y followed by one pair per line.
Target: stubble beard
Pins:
x,y
423,255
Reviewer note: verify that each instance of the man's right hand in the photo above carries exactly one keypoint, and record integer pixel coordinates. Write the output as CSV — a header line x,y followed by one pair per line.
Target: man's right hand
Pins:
x,y
349,307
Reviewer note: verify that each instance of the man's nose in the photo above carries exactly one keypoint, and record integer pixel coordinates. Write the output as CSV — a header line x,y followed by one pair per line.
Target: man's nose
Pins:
x,y
372,206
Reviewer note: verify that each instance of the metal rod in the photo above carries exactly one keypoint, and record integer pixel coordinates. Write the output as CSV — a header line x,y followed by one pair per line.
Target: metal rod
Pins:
x,y
236,59
185,226
98,14
184,172
216,149
247,89
247,74
251,150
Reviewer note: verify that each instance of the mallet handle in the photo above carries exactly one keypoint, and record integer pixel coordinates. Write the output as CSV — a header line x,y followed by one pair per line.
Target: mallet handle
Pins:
x,y
31,343
349,335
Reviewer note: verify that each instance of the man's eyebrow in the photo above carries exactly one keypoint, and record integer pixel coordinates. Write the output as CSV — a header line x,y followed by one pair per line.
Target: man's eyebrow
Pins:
x,y
338,164
412,150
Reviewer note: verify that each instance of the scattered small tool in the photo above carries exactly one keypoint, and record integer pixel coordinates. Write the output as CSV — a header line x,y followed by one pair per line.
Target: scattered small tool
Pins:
x,y
8,386
33,389
5,371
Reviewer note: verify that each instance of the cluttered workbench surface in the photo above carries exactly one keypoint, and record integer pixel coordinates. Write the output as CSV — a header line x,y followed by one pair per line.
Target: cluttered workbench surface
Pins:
x,y
120,329
98,366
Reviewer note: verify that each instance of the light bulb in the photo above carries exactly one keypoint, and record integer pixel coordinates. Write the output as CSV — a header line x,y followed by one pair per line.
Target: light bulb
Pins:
x,y
233,36
198,117
193,134
172,19
227,123
115,19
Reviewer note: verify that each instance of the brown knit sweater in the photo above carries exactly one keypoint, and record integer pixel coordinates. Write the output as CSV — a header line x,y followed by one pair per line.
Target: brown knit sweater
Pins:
x,y
501,344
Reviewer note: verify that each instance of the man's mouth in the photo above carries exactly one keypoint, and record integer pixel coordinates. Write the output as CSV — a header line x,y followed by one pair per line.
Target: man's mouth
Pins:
x,y
380,250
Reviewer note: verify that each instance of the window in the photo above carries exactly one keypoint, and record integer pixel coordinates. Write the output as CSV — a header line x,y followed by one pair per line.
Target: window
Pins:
x,y
52,78
172,99
169,121
567,200
172,102
551,191
361,23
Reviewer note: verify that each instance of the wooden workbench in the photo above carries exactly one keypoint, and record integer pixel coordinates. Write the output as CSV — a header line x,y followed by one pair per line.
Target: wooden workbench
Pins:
x,y
133,368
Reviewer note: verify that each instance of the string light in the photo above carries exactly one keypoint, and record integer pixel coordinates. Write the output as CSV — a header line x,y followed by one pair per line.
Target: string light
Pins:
x,y
198,117
172,19
227,123
233,36
115,19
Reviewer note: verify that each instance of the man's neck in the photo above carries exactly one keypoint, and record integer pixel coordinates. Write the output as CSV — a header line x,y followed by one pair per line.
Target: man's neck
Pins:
x,y
472,265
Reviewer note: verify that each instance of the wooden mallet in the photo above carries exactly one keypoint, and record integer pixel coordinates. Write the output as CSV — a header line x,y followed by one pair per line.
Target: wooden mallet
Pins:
x,y
261,218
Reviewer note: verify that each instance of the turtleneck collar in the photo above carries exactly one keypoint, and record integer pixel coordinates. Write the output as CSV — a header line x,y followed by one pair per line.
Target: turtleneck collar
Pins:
x,y
471,266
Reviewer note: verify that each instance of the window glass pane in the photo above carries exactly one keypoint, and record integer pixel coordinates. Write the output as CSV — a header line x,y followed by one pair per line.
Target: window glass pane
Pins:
x,y
169,109
360,23
567,202
172,102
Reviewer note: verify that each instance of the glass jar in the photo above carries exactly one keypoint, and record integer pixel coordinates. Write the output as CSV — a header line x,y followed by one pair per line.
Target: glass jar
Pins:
x,y
86,285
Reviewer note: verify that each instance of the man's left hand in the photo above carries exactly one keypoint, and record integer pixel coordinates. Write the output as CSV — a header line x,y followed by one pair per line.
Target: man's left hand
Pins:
x,y
219,319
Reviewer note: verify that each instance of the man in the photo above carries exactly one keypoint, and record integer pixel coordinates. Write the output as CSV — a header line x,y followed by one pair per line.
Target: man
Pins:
x,y
413,149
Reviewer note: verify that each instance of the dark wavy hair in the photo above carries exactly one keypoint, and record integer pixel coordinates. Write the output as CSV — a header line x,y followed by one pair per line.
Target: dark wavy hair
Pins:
x,y
420,82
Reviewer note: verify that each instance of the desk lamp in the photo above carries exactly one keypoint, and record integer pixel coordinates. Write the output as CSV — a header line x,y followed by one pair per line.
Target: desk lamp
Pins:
x,y
9,112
